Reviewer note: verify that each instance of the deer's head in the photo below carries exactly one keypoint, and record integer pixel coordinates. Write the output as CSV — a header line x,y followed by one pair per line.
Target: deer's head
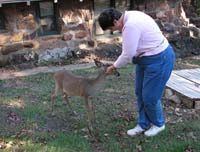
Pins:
x,y
104,67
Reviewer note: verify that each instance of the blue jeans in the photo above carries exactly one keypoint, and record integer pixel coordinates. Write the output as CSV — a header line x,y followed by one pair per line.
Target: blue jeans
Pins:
x,y
152,74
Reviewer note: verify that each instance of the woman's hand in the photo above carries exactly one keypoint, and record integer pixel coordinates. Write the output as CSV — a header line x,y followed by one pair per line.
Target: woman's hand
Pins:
x,y
110,69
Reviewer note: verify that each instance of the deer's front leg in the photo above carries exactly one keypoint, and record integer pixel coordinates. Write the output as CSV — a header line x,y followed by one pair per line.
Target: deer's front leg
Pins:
x,y
93,110
89,112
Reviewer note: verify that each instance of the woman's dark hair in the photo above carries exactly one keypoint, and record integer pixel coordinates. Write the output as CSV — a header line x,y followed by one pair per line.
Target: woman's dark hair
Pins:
x,y
107,17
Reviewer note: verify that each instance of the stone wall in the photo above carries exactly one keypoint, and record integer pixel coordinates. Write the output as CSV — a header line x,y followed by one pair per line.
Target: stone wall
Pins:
x,y
73,20
178,22
22,22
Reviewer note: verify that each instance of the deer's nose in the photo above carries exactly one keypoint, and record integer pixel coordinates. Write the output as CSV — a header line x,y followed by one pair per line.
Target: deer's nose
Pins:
x,y
117,74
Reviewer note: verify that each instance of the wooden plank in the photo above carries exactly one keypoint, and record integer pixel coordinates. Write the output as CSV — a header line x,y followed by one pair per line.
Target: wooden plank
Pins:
x,y
190,74
181,82
184,86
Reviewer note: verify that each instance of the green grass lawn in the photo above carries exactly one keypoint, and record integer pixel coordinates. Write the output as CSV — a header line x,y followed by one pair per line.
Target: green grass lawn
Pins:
x,y
27,125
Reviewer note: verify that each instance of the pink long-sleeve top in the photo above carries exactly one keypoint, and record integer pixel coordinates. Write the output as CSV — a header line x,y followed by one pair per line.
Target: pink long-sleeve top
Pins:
x,y
140,34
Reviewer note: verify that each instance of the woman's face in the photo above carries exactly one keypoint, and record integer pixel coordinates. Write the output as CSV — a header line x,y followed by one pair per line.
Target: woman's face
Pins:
x,y
117,26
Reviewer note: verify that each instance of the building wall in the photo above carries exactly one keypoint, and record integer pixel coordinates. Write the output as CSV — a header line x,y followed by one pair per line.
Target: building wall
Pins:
x,y
22,22
19,19
73,18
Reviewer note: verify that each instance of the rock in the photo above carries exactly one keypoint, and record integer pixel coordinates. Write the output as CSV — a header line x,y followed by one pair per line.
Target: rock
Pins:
x,y
23,56
187,102
30,35
55,55
168,93
194,31
4,38
175,99
169,27
4,60
9,48
197,105
80,34
108,51
170,96
67,36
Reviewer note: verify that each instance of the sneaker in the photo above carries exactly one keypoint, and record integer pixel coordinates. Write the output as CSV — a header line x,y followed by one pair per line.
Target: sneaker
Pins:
x,y
135,131
154,130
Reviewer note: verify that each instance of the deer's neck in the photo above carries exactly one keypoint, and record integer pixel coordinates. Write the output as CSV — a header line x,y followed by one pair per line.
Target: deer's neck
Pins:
x,y
96,82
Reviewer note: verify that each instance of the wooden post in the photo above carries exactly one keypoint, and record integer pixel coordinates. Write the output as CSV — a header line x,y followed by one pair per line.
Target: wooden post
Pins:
x,y
112,3
131,6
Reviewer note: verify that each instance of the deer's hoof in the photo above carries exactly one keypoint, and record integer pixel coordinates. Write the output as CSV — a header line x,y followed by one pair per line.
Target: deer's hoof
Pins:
x,y
53,114
75,113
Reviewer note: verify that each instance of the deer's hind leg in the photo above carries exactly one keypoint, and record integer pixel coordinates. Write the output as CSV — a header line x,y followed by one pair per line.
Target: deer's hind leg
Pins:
x,y
58,88
68,103
52,99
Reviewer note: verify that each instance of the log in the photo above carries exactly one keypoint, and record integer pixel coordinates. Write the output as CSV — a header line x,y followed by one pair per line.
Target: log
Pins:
x,y
10,48
4,60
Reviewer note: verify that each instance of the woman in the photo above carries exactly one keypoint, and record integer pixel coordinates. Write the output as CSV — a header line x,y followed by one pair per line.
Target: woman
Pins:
x,y
143,44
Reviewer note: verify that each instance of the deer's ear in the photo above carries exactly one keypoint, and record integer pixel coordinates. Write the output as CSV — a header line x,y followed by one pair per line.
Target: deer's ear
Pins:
x,y
98,63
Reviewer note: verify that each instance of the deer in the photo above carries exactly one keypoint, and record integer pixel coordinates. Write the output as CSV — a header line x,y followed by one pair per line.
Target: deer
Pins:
x,y
70,84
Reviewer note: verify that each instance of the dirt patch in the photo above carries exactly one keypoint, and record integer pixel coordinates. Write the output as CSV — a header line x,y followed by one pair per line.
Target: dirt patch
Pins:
x,y
64,121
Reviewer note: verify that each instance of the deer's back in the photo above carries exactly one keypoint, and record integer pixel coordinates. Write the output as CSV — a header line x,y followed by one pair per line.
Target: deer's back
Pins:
x,y
73,85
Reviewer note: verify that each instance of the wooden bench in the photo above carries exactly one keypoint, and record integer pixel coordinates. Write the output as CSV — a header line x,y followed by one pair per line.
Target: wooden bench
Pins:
x,y
186,83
